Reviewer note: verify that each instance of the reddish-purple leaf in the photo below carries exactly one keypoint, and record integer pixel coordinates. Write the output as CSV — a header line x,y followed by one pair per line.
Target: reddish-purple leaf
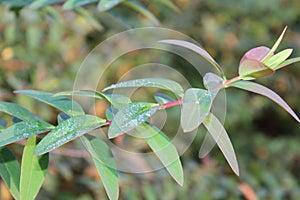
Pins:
x,y
264,91
251,69
257,53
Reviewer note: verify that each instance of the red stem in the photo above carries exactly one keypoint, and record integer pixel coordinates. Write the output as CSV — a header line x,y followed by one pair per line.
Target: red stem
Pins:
x,y
171,104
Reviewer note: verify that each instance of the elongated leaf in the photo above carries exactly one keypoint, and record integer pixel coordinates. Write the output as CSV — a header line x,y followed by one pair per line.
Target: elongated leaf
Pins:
x,y
264,91
195,107
16,110
288,62
275,46
162,98
89,18
3,124
212,81
23,130
70,4
161,83
68,130
108,4
198,50
164,150
33,171
130,116
217,131
62,103
41,3
135,5
62,117
116,100
170,4
278,58
105,163
10,171
252,69
16,3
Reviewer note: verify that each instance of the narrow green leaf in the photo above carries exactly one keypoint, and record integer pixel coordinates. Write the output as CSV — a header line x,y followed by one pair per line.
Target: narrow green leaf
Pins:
x,y
116,100
164,150
212,81
135,5
16,110
130,116
161,83
275,46
287,62
23,130
219,134
251,69
33,171
62,103
162,98
105,164
68,130
170,4
70,4
16,3
89,18
195,107
108,4
278,58
264,91
197,49
41,3
10,171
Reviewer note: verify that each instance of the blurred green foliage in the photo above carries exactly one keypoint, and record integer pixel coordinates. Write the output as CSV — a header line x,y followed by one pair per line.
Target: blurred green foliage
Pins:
x,y
43,49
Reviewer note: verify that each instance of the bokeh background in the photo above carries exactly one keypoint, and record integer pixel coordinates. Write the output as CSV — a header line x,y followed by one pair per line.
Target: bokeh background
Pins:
x,y
42,49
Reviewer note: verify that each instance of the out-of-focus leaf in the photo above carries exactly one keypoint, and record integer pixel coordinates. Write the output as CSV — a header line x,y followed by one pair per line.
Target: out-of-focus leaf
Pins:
x,y
23,130
41,3
161,83
89,18
252,69
16,110
116,100
70,4
212,81
68,130
275,46
287,62
108,4
10,171
130,116
257,53
198,50
164,150
33,170
195,107
264,91
111,112
170,4
278,58
62,103
15,120
105,163
135,5
219,134
2,124
162,98
16,3
62,117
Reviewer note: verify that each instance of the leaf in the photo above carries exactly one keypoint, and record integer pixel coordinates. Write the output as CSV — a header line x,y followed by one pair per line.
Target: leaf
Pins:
x,y
278,58
33,171
16,110
164,150
41,3
105,164
161,83
116,100
287,62
170,4
130,116
89,18
195,107
61,103
252,69
68,130
23,130
111,112
257,53
275,46
10,171
198,50
62,117
135,5
16,3
217,131
3,124
264,91
162,98
212,81
108,4
70,4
